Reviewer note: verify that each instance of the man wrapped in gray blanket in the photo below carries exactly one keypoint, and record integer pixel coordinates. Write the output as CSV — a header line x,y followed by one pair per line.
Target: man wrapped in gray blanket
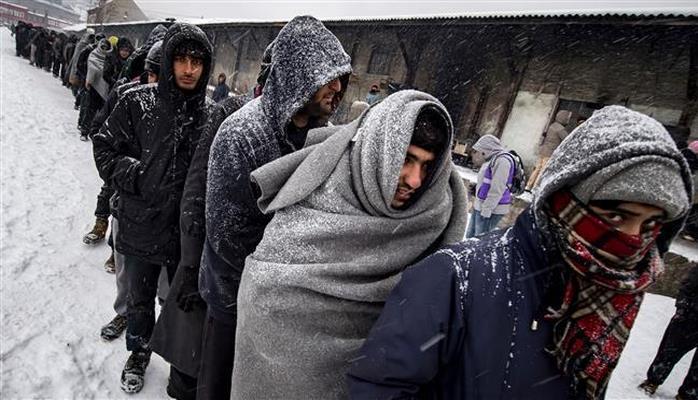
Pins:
x,y
352,209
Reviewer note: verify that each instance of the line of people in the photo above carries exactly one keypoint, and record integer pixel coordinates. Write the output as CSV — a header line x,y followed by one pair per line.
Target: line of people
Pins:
x,y
45,48
311,261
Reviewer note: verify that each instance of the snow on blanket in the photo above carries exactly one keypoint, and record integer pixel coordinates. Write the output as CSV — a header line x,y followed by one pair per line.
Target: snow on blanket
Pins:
x,y
54,293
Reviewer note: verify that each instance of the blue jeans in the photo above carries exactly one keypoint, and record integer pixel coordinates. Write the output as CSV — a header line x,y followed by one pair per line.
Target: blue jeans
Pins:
x,y
479,225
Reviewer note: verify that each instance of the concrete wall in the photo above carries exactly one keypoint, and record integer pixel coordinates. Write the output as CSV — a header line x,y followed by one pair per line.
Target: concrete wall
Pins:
x,y
526,123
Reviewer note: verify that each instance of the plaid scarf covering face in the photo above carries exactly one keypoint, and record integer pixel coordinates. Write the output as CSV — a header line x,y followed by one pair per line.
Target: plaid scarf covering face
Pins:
x,y
602,296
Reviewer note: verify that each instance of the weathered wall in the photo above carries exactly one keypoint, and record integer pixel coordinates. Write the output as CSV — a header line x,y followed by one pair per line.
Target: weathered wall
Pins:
x,y
476,69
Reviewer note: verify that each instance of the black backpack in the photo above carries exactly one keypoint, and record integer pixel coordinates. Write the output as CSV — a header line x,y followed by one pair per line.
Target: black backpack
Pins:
x,y
518,184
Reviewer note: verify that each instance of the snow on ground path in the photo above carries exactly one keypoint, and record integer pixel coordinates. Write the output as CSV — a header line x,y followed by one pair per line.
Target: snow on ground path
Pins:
x,y
54,293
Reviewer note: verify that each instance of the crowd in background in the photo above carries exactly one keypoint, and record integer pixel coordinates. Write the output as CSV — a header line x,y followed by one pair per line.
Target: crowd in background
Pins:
x,y
278,244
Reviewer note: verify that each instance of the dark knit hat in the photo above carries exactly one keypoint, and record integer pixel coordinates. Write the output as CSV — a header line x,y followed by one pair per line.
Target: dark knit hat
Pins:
x,y
154,57
124,43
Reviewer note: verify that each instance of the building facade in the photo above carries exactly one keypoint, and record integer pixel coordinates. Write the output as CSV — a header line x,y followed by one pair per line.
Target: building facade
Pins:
x,y
505,76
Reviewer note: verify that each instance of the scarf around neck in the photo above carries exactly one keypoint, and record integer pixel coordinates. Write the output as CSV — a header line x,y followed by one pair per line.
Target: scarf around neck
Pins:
x,y
609,272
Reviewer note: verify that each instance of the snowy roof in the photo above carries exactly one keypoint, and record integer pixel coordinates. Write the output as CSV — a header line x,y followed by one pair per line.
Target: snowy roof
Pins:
x,y
65,8
75,27
644,13
619,12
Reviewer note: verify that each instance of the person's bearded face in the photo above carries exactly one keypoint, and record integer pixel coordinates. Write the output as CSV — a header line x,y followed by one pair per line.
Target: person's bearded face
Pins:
x,y
414,171
323,102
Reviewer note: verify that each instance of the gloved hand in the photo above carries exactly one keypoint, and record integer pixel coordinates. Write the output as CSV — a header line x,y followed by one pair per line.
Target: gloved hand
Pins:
x,y
188,297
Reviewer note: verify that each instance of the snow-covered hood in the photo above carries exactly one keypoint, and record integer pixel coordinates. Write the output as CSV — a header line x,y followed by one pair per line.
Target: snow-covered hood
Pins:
x,y
306,56
175,35
612,134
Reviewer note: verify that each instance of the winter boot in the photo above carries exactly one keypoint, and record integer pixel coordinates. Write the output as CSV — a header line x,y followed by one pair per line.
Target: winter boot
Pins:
x,y
109,264
114,328
98,231
132,377
648,387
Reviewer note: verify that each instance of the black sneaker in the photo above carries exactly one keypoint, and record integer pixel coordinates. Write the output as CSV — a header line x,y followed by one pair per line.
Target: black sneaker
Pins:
x,y
132,377
648,387
114,328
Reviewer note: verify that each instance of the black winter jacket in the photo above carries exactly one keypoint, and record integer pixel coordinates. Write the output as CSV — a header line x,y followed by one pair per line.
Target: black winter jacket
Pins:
x,y
193,209
688,292
144,150
112,68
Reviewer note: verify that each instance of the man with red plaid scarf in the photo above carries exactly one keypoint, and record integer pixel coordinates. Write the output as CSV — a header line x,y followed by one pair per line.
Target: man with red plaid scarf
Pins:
x,y
541,310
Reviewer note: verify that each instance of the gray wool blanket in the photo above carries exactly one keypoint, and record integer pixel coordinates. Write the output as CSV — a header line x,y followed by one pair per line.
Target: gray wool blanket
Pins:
x,y
335,249
95,66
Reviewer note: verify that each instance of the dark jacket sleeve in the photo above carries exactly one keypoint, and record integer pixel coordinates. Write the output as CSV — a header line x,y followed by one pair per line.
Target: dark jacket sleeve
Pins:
x,y
192,219
688,291
234,223
104,112
420,330
116,161
109,70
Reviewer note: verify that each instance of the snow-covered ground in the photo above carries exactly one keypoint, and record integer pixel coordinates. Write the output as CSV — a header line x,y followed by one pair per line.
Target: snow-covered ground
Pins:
x,y
54,294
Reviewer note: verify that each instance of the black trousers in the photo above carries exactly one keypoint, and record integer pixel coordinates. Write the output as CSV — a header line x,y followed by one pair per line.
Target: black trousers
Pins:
x,y
680,337
180,385
89,107
142,280
103,210
217,354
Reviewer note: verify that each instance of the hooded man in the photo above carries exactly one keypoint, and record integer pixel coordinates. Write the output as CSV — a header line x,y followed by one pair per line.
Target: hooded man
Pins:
x,y
305,84
350,214
97,88
58,60
115,62
373,95
179,328
83,94
87,39
541,310
557,132
493,195
136,60
144,150
68,52
222,89
107,199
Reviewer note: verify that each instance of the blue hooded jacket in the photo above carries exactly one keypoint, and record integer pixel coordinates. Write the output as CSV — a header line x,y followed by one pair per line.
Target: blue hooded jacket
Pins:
x,y
460,324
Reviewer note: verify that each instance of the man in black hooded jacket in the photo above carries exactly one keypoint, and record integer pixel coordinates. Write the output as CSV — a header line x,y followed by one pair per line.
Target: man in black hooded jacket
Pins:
x,y
144,151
